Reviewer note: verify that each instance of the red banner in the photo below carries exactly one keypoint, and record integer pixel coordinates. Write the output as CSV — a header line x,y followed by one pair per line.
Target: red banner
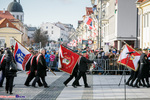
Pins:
x,y
67,60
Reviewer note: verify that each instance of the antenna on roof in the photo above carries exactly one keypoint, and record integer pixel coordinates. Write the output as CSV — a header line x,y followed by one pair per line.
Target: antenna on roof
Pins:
x,y
3,10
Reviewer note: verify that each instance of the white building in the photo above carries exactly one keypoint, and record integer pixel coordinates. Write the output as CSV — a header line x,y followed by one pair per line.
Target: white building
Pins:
x,y
31,31
119,22
53,32
144,12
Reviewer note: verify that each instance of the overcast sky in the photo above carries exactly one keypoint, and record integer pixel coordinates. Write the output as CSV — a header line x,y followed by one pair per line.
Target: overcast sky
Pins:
x,y
38,11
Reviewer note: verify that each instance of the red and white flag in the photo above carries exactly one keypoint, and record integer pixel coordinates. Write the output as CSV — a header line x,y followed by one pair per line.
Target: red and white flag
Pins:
x,y
133,60
21,55
87,20
67,60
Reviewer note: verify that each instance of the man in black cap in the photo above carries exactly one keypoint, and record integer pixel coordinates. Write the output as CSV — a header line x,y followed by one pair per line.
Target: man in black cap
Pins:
x,y
74,74
82,70
143,70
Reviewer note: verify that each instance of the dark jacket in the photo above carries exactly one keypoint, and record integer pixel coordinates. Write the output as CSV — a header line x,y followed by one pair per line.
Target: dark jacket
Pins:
x,y
75,70
9,58
41,66
83,64
33,65
144,67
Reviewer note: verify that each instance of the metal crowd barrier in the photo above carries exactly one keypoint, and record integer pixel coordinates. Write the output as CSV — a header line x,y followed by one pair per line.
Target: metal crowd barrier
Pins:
x,y
108,67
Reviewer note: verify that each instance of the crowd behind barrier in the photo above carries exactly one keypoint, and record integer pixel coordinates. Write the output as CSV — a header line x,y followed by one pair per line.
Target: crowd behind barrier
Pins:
x,y
108,67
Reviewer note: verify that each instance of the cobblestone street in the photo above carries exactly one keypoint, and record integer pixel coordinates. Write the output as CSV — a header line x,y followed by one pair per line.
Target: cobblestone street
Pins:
x,y
103,87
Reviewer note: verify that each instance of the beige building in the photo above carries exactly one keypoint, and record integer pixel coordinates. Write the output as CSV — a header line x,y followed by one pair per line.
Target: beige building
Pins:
x,y
144,12
7,32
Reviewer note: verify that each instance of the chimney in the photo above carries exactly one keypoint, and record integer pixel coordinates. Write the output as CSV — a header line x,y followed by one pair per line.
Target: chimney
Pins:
x,y
3,10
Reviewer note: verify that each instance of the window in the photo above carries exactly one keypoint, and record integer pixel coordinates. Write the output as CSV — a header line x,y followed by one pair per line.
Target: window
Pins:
x,y
21,18
52,32
46,27
12,42
17,16
52,27
2,42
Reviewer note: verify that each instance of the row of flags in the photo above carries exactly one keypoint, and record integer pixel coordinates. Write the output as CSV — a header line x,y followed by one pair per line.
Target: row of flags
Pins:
x,y
91,24
68,59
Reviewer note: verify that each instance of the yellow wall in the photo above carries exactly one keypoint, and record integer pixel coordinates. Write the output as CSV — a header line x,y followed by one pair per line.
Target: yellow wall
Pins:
x,y
8,33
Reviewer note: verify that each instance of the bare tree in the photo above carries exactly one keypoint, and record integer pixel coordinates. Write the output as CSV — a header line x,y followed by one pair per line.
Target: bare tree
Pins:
x,y
40,36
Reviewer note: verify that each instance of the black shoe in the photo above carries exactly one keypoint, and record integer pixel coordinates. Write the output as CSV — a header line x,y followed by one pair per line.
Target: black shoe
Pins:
x,y
87,86
6,91
46,86
27,85
131,85
136,86
11,93
127,83
148,86
144,85
74,86
34,86
79,85
65,84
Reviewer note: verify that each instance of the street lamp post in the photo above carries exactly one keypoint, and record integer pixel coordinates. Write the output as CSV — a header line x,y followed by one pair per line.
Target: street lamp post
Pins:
x,y
99,24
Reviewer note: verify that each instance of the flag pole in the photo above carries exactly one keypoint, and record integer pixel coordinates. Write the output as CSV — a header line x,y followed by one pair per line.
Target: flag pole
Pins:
x,y
51,71
21,44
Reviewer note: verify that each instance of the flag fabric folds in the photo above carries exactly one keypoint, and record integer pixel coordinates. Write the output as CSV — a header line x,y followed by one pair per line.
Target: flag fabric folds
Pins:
x,y
133,60
21,55
87,20
67,60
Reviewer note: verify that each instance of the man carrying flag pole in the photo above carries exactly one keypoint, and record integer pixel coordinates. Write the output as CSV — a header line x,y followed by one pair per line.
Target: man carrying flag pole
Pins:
x,y
82,70
128,57
74,74
144,70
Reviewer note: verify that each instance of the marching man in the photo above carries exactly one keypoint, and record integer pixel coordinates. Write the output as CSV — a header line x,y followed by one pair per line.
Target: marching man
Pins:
x,y
41,69
82,71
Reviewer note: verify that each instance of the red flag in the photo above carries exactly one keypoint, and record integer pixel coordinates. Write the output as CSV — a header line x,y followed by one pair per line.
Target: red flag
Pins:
x,y
67,60
133,60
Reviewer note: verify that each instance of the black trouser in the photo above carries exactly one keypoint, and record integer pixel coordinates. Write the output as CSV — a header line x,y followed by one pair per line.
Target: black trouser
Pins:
x,y
30,77
74,74
79,76
36,80
2,78
9,83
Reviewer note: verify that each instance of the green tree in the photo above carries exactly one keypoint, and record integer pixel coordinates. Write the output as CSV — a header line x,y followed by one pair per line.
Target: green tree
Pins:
x,y
40,36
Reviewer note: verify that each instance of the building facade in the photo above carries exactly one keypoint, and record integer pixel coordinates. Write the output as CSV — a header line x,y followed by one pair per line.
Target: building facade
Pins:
x,y
7,32
144,12
119,22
